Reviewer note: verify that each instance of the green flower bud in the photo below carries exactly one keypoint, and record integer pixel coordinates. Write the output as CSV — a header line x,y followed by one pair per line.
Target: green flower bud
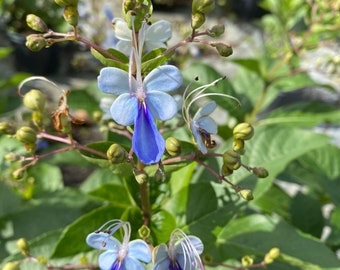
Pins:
x,y
202,6
42,260
64,3
71,15
243,131
238,146
247,194
116,154
216,30
18,174
144,232
11,266
139,10
22,245
232,159
11,157
197,20
35,42
141,177
160,176
34,100
222,49
36,23
260,172
226,170
37,118
274,253
26,135
173,146
247,261
7,128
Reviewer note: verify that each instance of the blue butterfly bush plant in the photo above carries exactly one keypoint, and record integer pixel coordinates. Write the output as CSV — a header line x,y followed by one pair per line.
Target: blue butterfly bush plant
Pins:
x,y
142,84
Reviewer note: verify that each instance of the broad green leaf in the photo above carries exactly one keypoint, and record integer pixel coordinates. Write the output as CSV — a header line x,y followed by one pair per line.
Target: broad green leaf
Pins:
x,y
257,234
72,239
13,201
98,178
120,63
153,59
83,99
334,237
162,224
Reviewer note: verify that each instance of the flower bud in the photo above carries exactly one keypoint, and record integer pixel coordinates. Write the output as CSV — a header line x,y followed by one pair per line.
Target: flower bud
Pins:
x,y
247,194
37,118
26,135
35,42
173,146
197,19
247,261
6,128
238,146
274,253
202,6
232,159
23,246
144,232
243,131
116,154
34,100
136,11
64,3
141,177
226,170
223,49
36,23
11,266
11,157
160,176
260,172
18,174
216,30
71,15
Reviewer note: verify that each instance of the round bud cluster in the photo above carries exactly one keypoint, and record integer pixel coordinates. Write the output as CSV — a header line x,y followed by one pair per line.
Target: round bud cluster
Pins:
x,y
141,177
71,15
22,245
247,261
11,266
35,42
199,9
247,194
36,23
136,11
223,49
273,254
35,101
7,128
116,154
144,232
173,146
28,136
216,30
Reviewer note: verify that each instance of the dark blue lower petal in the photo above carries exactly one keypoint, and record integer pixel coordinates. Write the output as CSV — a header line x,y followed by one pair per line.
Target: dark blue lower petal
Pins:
x,y
147,142
175,266
116,265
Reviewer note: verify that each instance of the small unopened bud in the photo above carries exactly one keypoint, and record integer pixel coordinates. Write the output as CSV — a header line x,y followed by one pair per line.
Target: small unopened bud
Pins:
x,y
71,15
36,23
226,170
22,245
136,12
202,6
216,30
18,174
247,261
274,253
238,146
11,266
35,42
160,176
243,131
197,20
6,128
11,157
141,177
223,49
26,135
37,118
116,154
173,146
247,194
260,172
144,232
64,3
34,100
232,159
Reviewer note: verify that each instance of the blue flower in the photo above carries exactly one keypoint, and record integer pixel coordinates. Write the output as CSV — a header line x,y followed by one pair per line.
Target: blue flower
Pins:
x,y
182,253
140,101
202,125
119,256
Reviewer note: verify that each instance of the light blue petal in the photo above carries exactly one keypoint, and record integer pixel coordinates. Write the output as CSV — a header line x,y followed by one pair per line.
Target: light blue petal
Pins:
x,y
160,253
197,243
197,137
115,81
103,241
151,45
161,105
124,46
139,250
124,109
205,110
208,124
147,142
107,259
159,31
164,78
132,264
162,265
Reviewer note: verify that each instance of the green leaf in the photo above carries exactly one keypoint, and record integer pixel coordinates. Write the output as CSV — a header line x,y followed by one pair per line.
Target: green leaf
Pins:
x,y
76,232
334,237
13,201
162,225
121,62
4,51
257,234
153,59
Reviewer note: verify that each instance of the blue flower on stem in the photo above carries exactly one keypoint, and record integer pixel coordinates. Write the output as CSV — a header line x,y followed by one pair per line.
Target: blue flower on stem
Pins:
x,y
119,256
140,101
182,253
202,125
